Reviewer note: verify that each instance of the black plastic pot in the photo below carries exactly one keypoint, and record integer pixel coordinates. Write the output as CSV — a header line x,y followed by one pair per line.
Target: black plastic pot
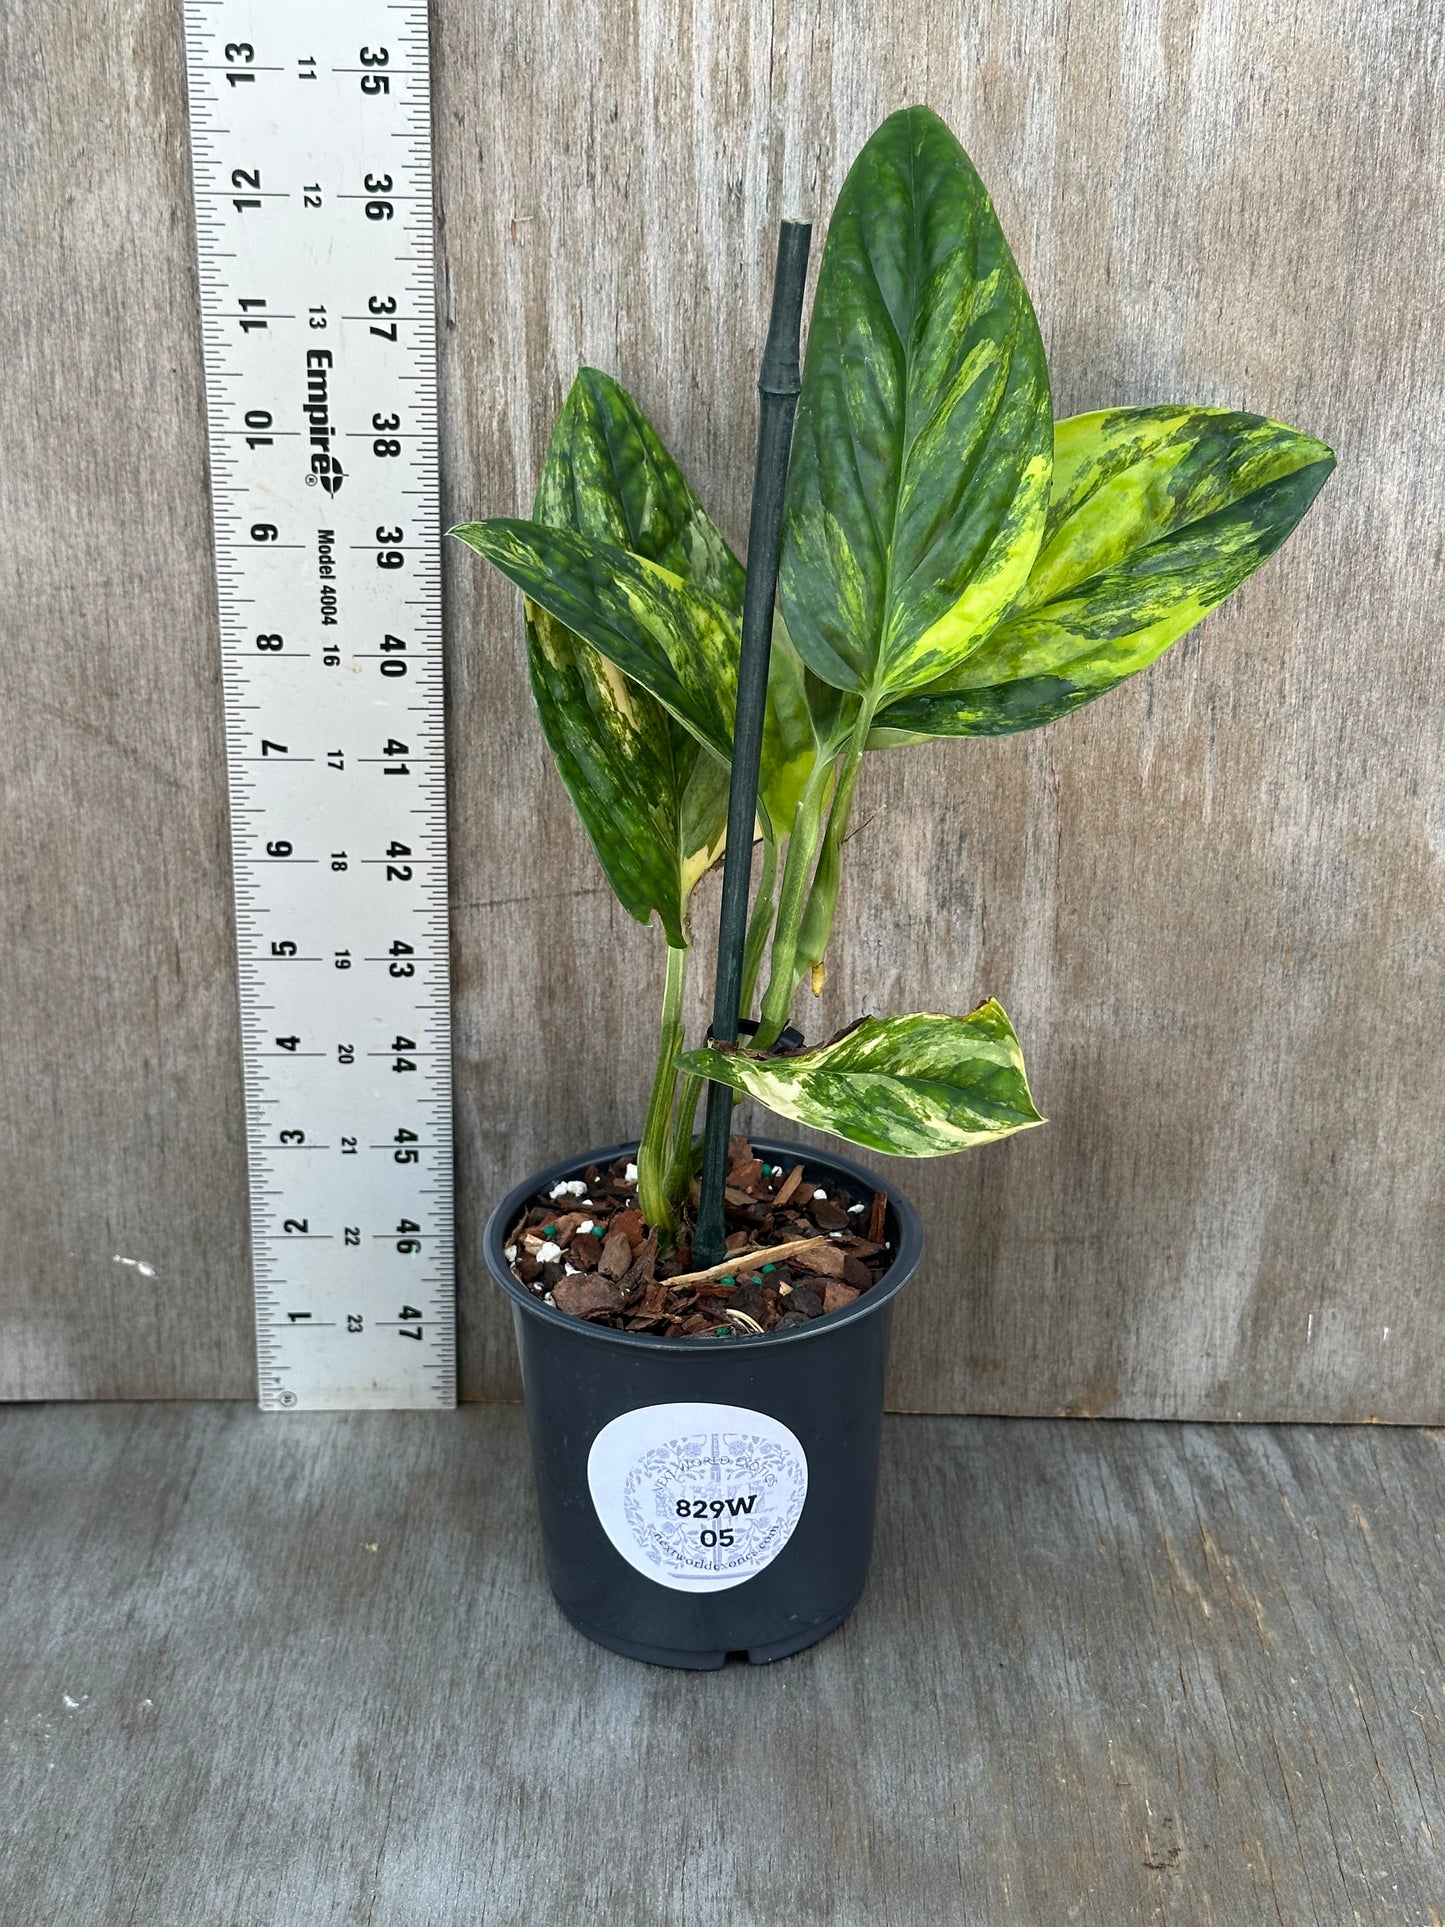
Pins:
x,y
702,1498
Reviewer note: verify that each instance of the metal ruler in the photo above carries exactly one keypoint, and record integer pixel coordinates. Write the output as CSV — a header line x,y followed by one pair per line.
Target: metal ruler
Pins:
x,y
310,141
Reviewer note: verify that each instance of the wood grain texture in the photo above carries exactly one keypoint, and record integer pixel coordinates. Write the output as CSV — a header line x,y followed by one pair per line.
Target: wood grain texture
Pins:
x,y
1211,903
269,1670
121,1126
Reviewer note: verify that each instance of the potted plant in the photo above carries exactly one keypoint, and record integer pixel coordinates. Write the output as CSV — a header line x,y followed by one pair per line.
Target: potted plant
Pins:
x,y
953,562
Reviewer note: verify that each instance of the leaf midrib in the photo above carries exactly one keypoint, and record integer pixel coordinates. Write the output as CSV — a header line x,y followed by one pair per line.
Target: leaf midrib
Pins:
x,y
914,253
907,438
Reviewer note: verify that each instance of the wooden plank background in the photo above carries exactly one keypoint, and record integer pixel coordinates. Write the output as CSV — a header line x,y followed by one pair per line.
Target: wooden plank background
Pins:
x,y
1211,903
1104,1675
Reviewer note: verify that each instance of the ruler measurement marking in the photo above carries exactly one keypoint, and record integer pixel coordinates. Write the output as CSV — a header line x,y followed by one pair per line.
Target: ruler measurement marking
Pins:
x,y
302,612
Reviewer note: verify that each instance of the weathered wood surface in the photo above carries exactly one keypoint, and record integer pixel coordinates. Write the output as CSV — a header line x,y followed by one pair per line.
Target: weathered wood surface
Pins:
x,y
1211,903
276,1670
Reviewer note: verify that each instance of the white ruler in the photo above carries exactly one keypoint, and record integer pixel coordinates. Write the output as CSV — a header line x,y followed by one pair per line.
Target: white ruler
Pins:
x,y
310,140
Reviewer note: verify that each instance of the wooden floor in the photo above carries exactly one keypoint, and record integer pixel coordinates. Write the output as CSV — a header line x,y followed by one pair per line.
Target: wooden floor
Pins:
x,y
305,1671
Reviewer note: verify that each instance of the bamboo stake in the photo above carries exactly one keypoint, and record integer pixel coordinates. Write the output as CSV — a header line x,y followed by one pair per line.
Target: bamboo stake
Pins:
x,y
778,385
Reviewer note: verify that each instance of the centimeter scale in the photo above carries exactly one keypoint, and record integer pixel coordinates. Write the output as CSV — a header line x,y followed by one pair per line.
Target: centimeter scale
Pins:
x,y
310,139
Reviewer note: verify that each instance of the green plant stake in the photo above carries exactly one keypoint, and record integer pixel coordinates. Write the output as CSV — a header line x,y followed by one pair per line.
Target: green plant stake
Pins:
x,y
778,386
954,562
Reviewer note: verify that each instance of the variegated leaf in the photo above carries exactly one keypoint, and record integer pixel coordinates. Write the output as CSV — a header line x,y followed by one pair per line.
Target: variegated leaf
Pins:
x,y
615,482
648,794
1157,515
653,802
609,477
921,457
912,1086
679,644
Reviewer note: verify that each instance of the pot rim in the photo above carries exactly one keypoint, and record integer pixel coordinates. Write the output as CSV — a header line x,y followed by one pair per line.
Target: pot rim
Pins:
x,y
907,1255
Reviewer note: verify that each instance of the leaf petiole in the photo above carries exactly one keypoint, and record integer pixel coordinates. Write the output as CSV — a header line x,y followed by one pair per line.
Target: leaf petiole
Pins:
x,y
654,1152
792,900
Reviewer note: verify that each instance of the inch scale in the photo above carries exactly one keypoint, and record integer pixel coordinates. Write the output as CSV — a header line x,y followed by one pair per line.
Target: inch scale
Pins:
x,y
310,142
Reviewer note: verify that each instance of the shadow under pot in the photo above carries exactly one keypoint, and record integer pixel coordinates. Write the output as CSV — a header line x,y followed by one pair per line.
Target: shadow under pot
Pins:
x,y
705,1498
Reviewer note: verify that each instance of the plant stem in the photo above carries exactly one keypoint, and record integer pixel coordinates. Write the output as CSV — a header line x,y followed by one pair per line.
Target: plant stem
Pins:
x,y
654,1152
817,924
760,923
792,900
683,1161
810,889
685,1153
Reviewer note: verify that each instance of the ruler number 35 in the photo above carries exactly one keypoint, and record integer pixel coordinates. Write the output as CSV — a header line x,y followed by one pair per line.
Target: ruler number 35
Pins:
x,y
374,82
240,54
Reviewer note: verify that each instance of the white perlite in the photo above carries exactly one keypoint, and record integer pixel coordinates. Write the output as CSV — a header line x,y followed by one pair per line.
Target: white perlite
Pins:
x,y
547,1252
568,1188
629,1176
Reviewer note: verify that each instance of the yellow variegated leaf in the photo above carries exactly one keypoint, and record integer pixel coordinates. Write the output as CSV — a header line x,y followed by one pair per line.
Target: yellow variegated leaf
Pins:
x,y
921,457
677,643
652,800
1157,515
915,1087
608,477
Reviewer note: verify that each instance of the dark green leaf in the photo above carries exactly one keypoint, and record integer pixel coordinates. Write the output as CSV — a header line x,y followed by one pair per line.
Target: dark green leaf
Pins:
x,y
609,478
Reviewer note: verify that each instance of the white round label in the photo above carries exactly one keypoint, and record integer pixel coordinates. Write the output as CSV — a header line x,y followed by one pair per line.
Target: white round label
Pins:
x,y
697,1497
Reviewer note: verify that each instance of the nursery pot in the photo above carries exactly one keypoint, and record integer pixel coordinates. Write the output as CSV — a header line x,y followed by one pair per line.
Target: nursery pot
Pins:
x,y
703,1498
